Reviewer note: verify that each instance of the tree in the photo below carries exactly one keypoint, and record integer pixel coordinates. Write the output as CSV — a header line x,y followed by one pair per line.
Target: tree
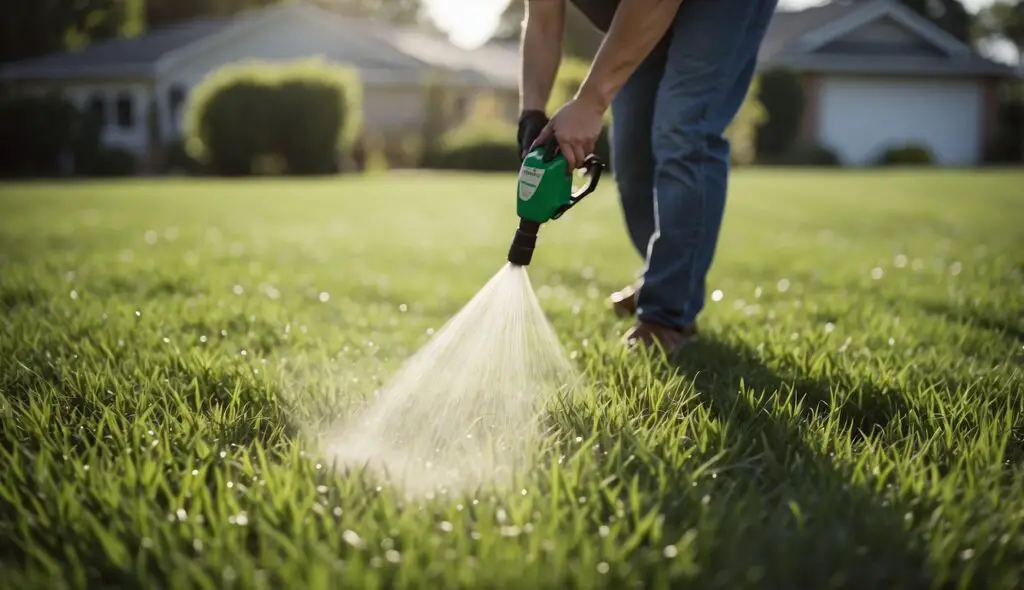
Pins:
x,y
1004,18
31,28
950,15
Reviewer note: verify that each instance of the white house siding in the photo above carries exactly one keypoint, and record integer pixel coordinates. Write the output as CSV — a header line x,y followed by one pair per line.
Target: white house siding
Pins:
x,y
861,116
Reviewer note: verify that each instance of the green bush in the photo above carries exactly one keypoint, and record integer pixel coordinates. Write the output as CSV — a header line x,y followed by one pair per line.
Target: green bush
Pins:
x,y
802,153
742,132
782,95
112,162
304,114
177,160
477,146
906,155
37,132
1007,144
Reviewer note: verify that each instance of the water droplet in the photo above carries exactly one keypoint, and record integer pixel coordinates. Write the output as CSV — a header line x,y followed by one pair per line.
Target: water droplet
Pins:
x,y
670,551
352,538
954,269
829,328
324,297
717,295
403,308
446,526
602,568
138,313
238,289
877,272
892,341
195,472
603,531
151,237
966,554
202,338
900,261
167,340
783,285
244,352
74,294
757,292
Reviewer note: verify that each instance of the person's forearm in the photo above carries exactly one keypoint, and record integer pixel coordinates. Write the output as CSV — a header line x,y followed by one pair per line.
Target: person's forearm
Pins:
x,y
541,51
637,28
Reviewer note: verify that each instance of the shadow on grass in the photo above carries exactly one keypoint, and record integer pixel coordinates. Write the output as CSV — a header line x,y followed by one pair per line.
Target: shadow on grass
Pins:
x,y
814,526
1004,327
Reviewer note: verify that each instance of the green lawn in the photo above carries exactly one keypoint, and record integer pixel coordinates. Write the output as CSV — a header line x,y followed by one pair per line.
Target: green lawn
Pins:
x,y
853,419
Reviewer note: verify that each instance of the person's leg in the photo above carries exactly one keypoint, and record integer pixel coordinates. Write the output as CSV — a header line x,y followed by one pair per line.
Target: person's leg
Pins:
x,y
711,50
632,155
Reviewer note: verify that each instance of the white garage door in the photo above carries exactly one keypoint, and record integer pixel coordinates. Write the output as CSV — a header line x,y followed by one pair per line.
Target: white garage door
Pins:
x,y
861,116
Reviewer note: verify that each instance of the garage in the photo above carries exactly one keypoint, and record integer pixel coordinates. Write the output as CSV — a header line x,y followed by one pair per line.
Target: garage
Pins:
x,y
860,117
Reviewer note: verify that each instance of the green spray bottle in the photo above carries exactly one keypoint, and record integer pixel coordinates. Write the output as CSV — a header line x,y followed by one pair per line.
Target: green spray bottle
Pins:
x,y
545,192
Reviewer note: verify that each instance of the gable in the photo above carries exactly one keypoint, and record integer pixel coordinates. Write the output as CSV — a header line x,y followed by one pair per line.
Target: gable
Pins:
x,y
884,36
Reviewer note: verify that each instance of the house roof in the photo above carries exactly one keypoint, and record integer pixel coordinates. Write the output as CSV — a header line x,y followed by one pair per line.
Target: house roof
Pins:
x,y
370,45
796,39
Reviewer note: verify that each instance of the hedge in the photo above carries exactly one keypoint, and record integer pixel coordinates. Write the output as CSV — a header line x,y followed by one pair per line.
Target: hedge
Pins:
x,y
910,154
296,117
782,95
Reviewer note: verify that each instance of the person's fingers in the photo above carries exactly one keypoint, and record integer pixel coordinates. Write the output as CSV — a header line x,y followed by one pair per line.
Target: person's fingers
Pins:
x,y
543,136
581,156
569,151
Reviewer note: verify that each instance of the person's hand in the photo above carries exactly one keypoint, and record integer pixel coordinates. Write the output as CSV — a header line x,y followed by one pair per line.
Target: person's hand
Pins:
x,y
531,122
576,127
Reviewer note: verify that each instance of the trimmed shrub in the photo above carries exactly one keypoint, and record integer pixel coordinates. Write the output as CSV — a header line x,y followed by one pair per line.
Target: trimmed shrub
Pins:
x,y
782,95
37,133
113,162
304,114
742,132
803,153
178,161
477,146
906,155
1007,144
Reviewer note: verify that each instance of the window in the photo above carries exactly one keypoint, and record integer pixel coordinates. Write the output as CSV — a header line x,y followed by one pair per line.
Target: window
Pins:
x,y
125,110
98,108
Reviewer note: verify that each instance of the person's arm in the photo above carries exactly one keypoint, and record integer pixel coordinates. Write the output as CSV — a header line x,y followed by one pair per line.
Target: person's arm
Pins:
x,y
635,30
541,50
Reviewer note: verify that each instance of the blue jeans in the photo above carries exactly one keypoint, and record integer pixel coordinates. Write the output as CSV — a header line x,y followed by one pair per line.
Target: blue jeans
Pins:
x,y
669,155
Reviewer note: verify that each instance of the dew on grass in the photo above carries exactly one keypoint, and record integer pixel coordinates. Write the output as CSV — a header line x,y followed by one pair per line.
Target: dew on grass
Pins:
x,y
74,294
138,313
151,237
829,327
670,551
877,272
954,269
603,530
917,264
782,285
237,290
602,568
324,297
717,295
900,261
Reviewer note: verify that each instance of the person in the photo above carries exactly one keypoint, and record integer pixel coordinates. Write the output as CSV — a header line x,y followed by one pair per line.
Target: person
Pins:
x,y
674,74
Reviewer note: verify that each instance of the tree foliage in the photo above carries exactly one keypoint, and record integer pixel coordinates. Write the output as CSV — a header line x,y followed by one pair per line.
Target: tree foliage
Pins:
x,y
950,15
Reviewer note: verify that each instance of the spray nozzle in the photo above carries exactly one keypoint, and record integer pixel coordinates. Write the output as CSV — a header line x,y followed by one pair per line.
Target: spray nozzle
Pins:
x,y
521,251
545,192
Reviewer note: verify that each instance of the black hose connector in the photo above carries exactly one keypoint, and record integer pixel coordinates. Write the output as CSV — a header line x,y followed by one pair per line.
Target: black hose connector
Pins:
x,y
521,252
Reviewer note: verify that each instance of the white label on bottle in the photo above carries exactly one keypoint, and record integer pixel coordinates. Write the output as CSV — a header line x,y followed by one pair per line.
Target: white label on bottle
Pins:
x,y
529,179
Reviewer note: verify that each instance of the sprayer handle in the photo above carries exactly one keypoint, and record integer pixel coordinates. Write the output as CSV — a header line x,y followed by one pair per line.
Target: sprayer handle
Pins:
x,y
594,167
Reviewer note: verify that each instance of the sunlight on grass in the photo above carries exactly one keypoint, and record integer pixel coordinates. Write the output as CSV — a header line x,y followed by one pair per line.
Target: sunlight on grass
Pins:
x,y
852,419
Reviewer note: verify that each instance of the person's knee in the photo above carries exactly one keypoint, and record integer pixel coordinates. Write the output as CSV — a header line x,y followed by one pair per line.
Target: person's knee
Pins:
x,y
678,142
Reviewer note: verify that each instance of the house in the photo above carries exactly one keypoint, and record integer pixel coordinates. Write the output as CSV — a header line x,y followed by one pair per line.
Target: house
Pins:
x,y
876,74
133,82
